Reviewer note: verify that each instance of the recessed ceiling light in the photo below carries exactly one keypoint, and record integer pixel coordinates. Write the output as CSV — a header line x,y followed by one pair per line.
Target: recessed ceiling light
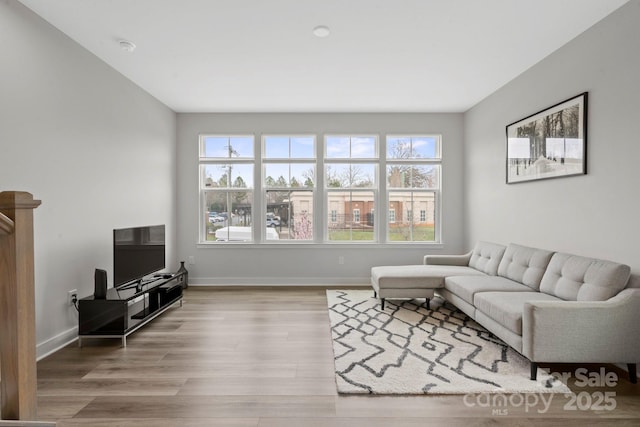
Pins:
x,y
127,46
321,31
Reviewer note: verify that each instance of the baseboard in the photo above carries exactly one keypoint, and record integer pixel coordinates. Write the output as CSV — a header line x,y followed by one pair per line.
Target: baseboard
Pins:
x,y
280,281
18,423
54,344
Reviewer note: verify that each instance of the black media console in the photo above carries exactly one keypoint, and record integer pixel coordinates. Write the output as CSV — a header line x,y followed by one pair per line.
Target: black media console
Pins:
x,y
126,309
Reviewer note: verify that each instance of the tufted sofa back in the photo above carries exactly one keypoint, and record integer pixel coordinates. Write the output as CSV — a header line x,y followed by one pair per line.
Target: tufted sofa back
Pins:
x,y
486,257
524,265
576,278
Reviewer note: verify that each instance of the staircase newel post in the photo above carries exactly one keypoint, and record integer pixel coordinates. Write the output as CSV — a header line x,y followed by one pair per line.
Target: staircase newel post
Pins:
x,y
17,308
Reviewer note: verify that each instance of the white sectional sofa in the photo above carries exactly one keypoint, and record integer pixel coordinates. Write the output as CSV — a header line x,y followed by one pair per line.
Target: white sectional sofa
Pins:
x,y
551,307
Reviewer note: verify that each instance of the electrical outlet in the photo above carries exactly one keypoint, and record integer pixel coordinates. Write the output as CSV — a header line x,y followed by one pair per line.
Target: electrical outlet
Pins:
x,y
192,260
341,260
73,293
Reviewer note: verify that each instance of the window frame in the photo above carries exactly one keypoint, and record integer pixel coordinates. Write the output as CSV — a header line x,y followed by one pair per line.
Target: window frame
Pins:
x,y
374,189
380,191
436,161
203,162
264,190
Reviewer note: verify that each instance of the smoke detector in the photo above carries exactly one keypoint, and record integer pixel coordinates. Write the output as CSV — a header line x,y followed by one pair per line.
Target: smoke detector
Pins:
x,y
127,46
321,31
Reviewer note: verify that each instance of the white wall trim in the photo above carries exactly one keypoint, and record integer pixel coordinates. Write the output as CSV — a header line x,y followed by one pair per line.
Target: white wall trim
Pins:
x,y
279,281
55,343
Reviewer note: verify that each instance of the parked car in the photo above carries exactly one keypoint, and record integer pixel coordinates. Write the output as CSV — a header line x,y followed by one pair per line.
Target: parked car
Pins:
x,y
241,234
272,220
215,217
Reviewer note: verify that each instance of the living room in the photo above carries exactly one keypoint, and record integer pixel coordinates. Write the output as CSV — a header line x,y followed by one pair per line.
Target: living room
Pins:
x,y
102,153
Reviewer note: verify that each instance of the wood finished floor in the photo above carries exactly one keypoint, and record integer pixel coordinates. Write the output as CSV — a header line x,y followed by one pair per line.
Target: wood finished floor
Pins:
x,y
262,357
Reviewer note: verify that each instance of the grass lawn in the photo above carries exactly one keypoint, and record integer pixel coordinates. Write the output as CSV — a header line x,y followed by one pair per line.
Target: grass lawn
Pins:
x,y
355,235
396,234
420,234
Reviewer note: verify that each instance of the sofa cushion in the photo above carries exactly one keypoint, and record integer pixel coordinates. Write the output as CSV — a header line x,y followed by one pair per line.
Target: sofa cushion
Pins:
x,y
415,276
486,257
506,307
576,278
524,264
466,287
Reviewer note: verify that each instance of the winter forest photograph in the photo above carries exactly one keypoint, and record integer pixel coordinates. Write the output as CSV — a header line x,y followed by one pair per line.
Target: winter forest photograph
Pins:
x,y
549,144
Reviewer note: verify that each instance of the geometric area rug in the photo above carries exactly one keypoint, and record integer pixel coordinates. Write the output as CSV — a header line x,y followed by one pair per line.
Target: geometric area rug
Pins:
x,y
409,349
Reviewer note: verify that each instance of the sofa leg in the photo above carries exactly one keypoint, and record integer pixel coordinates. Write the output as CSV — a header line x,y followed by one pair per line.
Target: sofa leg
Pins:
x,y
534,371
633,376
382,303
426,303
375,294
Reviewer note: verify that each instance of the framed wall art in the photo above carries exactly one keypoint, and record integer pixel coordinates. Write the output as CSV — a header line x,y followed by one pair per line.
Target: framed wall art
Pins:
x,y
549,144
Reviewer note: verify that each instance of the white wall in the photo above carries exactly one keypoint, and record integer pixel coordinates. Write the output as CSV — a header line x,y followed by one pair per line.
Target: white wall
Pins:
x,y
594,214
97,150
316,264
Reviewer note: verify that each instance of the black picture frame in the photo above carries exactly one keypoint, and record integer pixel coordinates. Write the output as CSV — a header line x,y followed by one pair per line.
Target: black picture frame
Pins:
x,y
551,143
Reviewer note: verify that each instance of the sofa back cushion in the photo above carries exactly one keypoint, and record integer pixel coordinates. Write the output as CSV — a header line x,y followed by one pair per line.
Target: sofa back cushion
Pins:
x,y
576,278
486,257
524,265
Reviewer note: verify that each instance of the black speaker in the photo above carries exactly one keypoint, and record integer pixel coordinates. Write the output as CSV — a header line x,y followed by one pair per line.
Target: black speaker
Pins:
x,y
100,279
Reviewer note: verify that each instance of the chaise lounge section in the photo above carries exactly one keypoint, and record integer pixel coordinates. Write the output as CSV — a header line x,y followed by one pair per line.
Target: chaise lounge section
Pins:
x,y
551,307
420,281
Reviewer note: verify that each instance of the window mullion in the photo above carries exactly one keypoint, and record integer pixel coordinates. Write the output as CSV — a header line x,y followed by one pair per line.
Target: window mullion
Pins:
x,y
259,199
381,219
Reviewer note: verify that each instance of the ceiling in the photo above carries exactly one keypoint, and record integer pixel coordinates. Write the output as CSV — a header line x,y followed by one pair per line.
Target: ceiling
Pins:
x,y
381,55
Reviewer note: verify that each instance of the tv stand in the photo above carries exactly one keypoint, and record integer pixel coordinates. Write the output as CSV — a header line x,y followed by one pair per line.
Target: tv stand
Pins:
x,y
128,308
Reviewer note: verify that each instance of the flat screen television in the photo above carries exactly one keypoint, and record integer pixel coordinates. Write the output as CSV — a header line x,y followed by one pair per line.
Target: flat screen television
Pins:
x,y
137,252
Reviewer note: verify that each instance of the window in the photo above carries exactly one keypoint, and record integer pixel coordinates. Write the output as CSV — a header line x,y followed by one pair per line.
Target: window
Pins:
x,y
289,165
226,187
413,184
266,191
350,169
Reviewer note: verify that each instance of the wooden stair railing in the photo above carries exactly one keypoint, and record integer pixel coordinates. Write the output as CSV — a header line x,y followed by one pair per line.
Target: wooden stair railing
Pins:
x,y
17,307
6,225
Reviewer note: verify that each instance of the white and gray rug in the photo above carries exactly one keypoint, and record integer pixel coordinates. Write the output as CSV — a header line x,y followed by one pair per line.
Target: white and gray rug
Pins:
x,y
408,349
